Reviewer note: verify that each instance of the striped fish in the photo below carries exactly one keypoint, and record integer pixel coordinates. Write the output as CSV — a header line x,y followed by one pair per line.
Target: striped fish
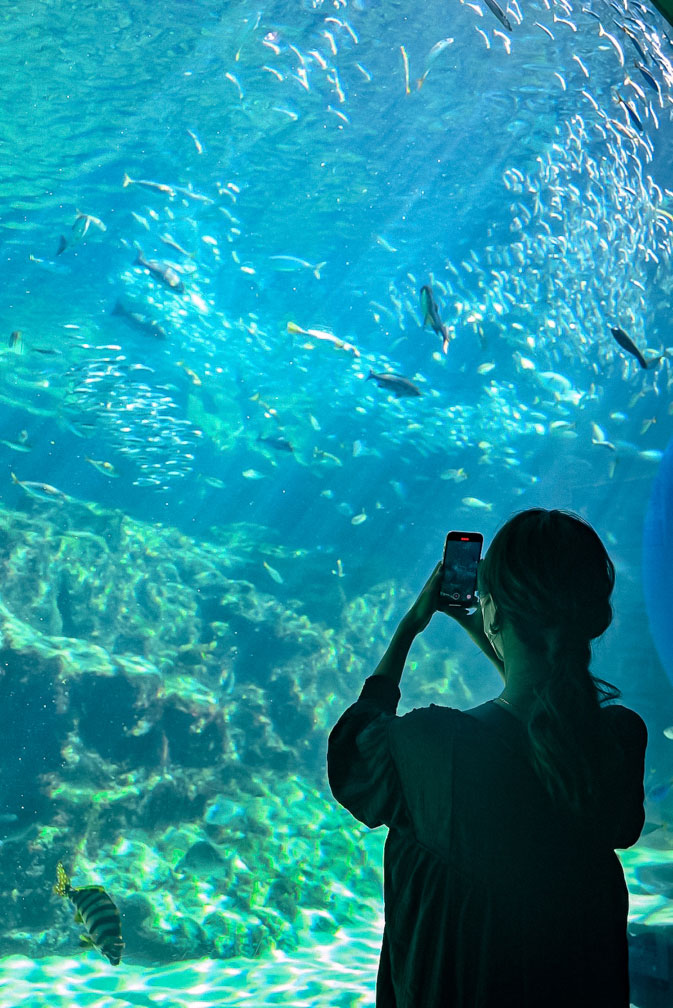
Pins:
x,y
97,912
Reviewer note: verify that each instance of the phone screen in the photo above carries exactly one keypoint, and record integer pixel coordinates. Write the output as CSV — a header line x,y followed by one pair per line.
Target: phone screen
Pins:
x,y
459,569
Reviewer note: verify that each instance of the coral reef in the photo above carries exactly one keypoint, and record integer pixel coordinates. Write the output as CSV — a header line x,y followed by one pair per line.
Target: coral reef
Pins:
x,y
166,729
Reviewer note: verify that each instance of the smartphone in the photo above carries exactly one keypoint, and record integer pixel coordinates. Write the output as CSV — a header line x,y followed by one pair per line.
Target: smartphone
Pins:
x,y
462,552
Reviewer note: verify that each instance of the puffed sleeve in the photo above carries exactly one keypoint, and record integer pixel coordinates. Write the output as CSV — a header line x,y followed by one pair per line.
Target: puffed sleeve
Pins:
x,y
360,766
628,776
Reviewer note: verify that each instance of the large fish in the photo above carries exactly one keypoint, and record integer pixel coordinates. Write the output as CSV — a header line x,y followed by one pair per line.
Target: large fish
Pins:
x,y
397,384
41,491
97,912
499,13
139,321
431,315
291,264
628,345
162,271
80,229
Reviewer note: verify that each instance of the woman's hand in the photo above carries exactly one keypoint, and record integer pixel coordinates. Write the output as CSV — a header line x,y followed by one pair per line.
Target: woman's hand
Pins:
x,y
427,603
430,601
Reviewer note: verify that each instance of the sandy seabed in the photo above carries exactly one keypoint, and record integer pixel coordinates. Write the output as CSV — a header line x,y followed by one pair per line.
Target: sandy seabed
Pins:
x,y
341,974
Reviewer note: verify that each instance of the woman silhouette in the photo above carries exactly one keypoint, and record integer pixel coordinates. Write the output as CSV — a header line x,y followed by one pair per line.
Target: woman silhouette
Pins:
x,y
501,883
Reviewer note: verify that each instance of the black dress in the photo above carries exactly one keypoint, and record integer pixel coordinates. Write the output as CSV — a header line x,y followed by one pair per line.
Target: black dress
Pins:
x,y
494,898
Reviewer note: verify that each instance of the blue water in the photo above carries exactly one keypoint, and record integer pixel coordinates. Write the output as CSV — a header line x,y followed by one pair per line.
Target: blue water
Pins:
x,y
512,180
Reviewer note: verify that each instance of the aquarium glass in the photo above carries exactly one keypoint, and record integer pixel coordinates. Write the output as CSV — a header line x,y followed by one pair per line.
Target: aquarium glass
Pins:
x,y
290,290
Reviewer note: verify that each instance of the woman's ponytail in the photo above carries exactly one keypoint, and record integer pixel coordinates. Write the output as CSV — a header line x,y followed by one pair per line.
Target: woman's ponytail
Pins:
x,y
551,579
564,726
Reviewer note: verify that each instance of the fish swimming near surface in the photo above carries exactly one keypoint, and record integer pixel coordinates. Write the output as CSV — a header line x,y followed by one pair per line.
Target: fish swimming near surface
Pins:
x,y
431,315
628,345
97,912
162,271
499,13
395,383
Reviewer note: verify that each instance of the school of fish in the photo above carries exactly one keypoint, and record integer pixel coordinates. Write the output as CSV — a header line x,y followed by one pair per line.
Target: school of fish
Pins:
x,y
530,335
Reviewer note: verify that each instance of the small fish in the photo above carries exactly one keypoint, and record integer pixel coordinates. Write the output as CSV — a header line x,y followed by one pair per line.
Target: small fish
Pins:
x,y
171,243
105,468
97,912
536,24
20,445
395,383
162,271
252,474
358,519
499,13
320,334
325,456
649,78
631,112
668,732
41,491
385,244
455,475
478,505
627,344
197,142
437,48
613,42
405,63
291,264
598,437
148,184
273,573
485,368
431,315
636,44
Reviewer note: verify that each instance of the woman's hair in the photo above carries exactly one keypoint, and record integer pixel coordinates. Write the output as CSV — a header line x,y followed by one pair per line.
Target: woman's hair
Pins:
x,y
551,579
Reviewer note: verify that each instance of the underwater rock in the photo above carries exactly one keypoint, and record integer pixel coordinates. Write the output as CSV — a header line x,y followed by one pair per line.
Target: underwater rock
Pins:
x,y
201,858
181,714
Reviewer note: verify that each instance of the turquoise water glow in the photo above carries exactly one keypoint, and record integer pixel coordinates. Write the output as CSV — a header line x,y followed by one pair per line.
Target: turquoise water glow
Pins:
x,y
235,514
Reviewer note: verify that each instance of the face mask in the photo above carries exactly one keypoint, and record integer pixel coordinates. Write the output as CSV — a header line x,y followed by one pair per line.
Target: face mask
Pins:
x,y
494,644
488,613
